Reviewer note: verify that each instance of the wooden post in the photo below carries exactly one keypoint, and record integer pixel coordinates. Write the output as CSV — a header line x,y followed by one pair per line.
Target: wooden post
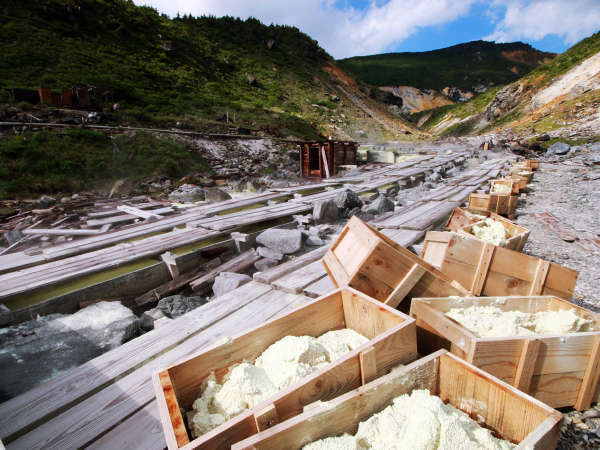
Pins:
x,y
324,156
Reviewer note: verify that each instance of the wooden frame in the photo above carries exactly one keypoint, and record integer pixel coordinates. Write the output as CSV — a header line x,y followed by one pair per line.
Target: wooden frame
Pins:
x,y
559,370
489,270
461,217
518,234
513,187
392,341
503,204
370,262
510,414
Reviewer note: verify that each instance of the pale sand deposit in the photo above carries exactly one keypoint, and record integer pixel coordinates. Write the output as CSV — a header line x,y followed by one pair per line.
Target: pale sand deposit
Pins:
x,y
282,364
418,421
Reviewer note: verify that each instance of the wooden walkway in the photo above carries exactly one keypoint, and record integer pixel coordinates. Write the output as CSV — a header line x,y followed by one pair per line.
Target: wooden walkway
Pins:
x,y
108,402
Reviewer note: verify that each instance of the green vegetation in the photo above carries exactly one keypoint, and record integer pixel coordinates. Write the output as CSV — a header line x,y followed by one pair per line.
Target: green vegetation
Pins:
x,y
475,105
462,66
163,70
75,159
543,75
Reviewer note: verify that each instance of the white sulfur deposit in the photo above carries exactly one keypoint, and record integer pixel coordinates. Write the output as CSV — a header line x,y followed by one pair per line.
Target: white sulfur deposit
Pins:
x,y
491,321
416,421
282,364
501,189
493,231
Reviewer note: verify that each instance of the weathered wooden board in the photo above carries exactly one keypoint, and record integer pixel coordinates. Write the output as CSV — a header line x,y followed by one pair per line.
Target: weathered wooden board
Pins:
x,y
297,280
319,288
268,276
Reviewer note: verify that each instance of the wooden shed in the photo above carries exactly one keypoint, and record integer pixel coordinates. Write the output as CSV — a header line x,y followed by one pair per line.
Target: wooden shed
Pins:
x,y
323,159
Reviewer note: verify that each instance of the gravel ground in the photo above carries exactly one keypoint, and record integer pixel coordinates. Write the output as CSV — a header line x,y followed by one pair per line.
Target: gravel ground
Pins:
x,y
569,190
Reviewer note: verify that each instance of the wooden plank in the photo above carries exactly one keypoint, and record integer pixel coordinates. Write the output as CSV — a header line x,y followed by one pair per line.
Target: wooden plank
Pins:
x,y
403,237
154,214
539,279
142,430
169,410
268,276
86,420
294,282
266,417
527,363
237,264
319,287
62,232
409,281
48,399
590,378
368,365
487,253
170,261
124,217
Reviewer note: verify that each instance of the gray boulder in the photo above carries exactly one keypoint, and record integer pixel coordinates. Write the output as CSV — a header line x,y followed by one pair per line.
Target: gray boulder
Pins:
x,y
267,252
347,199
187,193
314,241
559,148
45,201
228,281
35,351
215,195
149,317
265,263
283,240
5,315
13,236
380,205
178,305
326,211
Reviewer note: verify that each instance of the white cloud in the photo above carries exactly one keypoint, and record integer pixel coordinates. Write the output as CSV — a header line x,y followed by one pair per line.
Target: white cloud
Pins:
x,y
571,20
342,31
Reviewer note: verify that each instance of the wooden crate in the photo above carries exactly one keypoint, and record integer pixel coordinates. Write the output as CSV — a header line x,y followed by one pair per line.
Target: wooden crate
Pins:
x,y
522,172
560,370
518,235
533,164
512,185
520,181
486,269
461,217
510,414
502,204
372,263
392,341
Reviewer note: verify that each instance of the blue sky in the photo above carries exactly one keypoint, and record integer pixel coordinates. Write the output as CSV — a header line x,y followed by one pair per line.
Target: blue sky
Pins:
x,y
361,27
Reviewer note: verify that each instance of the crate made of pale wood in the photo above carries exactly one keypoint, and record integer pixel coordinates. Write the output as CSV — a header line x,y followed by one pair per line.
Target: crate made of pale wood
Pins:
x,y
370,262
522,172
513,187
533,164
486,269
559,370
392,341
503,204
461,217
520,181
507,412
518,235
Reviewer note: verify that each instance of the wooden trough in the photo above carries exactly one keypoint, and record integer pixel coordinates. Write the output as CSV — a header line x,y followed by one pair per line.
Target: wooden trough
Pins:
x,y
508,413
559,370
518,235
372,263
486,269
392,341
502,204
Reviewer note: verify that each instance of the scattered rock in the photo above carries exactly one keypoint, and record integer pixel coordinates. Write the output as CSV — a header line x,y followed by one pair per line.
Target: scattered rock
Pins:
x,y
267,252
187,193
559,148
45,201
283,240
326,211
265,264
251,79
177,305
348,199
13,236
37,350
149,317
5,315
254,186
228,281
380,205
215,195
314,241
64,200
206,182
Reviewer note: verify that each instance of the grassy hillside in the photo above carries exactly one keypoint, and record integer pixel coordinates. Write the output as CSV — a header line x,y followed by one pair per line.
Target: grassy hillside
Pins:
x,y
161,70
463,66
519,118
